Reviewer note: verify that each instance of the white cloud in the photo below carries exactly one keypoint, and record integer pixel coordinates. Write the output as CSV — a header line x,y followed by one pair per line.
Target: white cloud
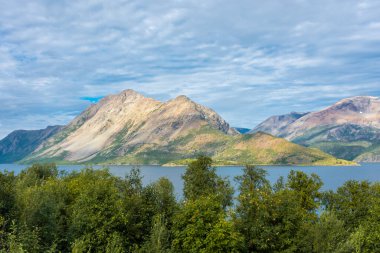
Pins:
x,y
246,59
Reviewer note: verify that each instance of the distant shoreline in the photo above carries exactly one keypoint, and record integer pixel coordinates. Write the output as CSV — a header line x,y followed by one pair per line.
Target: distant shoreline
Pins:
x,y
182,165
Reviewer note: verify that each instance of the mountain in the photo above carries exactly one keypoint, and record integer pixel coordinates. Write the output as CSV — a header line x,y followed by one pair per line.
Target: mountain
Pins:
x,y
129,128
128,123
348,129
275,125
262,148
21,143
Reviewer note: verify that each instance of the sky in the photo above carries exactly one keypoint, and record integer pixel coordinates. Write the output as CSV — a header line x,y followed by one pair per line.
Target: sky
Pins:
x,y
246,59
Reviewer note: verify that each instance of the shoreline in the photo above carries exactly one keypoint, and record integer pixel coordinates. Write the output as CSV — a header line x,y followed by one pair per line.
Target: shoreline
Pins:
x,y
214,165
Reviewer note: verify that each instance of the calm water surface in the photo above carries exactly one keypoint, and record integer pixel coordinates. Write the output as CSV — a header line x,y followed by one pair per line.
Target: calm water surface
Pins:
x,y
332,176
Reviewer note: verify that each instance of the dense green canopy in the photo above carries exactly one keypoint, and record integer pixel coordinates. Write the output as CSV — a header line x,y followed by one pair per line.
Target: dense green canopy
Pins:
x,y
44,210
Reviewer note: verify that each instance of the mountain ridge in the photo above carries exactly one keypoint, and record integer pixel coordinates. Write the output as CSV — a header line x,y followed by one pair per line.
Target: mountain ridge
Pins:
x,y
128,128
19,143
346,129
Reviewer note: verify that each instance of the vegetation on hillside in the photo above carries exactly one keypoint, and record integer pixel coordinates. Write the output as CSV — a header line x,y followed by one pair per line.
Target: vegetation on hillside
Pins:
x,y
258,148
349,142
44,210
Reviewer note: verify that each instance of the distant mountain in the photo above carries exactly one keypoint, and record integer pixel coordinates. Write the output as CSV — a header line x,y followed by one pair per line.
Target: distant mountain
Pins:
x,y
21,143
348,129
242,130
276,125
129,128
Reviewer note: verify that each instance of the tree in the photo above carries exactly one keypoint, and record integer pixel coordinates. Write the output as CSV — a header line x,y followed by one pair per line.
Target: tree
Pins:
x,y
352,202
37,174
274,219
138,208
328,235
307,189
358,203
159,240
252,206
43,211
200,179
7,204
96,211
163,198
202,226
7,194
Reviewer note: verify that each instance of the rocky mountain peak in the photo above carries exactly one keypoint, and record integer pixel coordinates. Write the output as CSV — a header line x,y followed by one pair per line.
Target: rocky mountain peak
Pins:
x,y
181,100
127,96
276,124
359,104
129,93
131,128
129,119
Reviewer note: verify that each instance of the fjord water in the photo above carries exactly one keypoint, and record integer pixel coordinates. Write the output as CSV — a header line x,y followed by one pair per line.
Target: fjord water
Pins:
x,y
332,176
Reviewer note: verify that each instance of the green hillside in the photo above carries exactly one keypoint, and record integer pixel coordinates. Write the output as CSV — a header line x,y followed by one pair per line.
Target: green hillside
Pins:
x,y
259,148
349,142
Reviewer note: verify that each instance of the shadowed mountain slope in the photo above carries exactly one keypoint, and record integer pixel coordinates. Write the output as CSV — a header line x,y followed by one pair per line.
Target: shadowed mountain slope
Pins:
x,y
21,143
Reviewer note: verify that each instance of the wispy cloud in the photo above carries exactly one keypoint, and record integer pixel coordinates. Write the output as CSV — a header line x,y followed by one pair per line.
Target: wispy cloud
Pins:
x,y
246,59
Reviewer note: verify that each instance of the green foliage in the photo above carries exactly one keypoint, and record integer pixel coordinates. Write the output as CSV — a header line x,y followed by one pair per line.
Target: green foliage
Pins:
x,y
274,218
42,210
159,240
7,194
200,179
352,202
306,188
327,235
97,210
201,226
339,141
357,205
163,198
45,208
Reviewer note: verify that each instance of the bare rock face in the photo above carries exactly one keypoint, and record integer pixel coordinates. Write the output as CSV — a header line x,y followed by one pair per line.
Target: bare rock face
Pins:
x,y
128,120
370,157
348,128
363,111
276,125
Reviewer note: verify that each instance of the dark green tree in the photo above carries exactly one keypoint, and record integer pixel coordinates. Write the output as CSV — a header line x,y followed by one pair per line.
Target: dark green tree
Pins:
x,y
43,211
96,213
200,179
351,202
201,225
254,193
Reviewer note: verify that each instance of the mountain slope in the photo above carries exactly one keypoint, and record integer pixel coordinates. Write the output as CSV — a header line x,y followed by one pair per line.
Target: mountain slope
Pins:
x,y
371,154
126,123
129,128
262,148
276,125
21,143
347,129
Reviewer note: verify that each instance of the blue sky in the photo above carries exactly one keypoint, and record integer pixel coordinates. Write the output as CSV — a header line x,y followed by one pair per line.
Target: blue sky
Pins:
x,y
246,59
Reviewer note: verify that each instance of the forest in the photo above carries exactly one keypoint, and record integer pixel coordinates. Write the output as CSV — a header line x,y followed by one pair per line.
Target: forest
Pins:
x,y
43,209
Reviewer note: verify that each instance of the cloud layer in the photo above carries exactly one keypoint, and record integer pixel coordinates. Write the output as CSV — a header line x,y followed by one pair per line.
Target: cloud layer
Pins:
x,y
246,59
